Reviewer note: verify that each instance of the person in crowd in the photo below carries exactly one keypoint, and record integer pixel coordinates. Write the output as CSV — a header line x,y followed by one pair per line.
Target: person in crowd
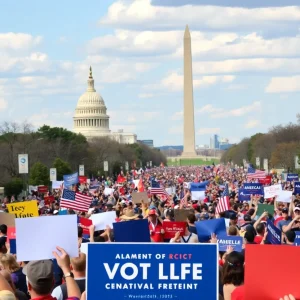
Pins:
x,y
191,219
3,237
188,237
18,294
155,227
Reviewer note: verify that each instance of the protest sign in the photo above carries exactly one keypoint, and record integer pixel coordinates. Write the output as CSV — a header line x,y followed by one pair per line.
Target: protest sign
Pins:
x,y
103,219
297,187
139,197
11,233
171,190
108,191
206,228
253,188
181,215
13,247
285,196
272,191
265,207
297,239
292,177
171,228
24,209
7,219
57,185
85,224
67,238
234,241
49,200
132,231
82,179
279,279
243,196
274,234
198,190
265,181
42,189
152,270
71,179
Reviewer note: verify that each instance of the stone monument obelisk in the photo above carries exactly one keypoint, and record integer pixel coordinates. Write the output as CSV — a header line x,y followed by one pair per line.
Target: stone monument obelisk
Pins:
x,y
188,115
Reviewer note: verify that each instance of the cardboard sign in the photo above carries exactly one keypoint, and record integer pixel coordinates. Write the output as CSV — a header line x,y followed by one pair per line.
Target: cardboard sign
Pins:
x,y
49,200
279,279
272,191
182,214
82,179
138,197
136,231
103,219
274,234
206,228
234,241
167,271
171,228
85,224
26,209
253,188
42,189
285,196
265,207
7,219
63,233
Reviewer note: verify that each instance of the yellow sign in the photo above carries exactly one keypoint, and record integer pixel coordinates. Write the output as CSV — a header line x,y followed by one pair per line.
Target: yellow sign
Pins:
x,y
25,209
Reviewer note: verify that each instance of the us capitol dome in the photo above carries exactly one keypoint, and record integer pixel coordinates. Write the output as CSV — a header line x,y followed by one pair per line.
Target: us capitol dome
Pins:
x,y
91,119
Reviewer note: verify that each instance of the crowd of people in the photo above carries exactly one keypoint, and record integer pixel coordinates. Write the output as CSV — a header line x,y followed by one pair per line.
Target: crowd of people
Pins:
x,y
65,278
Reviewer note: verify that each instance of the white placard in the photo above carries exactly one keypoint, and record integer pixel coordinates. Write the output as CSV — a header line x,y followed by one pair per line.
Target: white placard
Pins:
x,y
81,170
23,163
272,191
285,196
103,219
171,190
105,166
266,165
258,162
108,191
63,233
53,176
198,195
57,184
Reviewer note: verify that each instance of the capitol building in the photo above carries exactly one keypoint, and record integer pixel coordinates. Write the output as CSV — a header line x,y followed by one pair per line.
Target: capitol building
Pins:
x,y
91,119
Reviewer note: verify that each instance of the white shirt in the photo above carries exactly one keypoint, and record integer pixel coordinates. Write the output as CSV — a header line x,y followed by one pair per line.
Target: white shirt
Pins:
x,y
57,292
191,238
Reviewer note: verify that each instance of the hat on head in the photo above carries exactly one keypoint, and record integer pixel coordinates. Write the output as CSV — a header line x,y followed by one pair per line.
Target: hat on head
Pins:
x,y
152,212
285,210
129,214
247,218
296,208
39,273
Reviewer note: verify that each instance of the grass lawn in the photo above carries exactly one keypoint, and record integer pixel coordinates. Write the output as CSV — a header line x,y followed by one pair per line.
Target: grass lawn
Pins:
x,y
191,162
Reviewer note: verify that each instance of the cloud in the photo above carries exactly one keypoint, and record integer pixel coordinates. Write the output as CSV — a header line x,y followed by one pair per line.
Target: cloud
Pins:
x,y
209,109
175,130
145,95
203,131
177,116
142,14
283,85
18,41
3,104
252,124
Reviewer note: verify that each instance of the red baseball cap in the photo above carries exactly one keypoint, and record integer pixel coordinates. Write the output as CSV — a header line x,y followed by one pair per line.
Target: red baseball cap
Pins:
x,y
152,212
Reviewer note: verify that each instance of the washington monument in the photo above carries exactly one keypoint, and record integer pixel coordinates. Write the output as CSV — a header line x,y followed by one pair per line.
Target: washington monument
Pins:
x,y
188,115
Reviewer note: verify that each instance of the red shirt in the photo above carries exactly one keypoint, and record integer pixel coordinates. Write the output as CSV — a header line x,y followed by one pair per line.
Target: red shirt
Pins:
x,y
155,232
258,239
238,293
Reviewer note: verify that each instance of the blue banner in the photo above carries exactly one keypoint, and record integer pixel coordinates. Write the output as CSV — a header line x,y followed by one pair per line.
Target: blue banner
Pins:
x,y
152,271
253,188
292,177
71,179
274,234
297,187
206,228
132,231
243,196
199,186
297,239
227,240
13,246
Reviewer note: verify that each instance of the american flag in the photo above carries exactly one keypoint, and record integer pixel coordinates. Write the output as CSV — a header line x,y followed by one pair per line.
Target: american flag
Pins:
x,y
76,201
157,190
255,174
223,204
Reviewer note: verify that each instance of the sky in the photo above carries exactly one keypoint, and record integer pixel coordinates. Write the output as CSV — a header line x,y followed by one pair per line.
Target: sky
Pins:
x,y
246,64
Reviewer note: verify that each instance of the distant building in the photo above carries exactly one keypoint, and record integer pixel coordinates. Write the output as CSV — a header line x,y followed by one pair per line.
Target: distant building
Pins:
x,y
219,143
214,142
149,143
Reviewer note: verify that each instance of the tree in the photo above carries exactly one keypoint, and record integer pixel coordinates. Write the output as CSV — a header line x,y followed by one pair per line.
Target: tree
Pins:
x,y
284,155
39,174
13,188
62,168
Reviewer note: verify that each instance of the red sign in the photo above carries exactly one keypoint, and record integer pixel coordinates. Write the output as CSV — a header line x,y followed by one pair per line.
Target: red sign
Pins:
x,y
42,189
171,228
266,180
280,277
48,200
121,179
82,179
11,233
85,224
